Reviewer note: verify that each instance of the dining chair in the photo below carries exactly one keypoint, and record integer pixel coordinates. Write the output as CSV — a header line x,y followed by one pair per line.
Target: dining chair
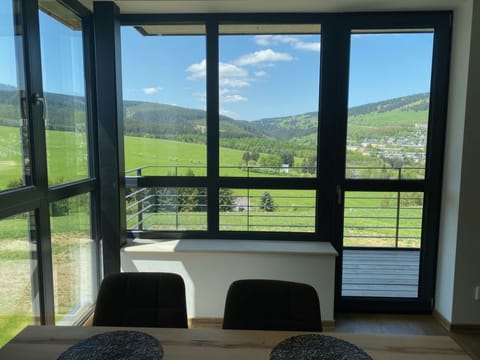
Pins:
x,y
258,304
141,299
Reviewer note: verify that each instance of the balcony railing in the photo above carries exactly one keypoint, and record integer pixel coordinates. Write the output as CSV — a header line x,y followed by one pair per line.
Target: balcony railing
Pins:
x,y
371,219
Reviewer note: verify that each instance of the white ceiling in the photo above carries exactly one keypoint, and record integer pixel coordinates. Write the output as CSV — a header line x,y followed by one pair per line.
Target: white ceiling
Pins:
x,y
255,6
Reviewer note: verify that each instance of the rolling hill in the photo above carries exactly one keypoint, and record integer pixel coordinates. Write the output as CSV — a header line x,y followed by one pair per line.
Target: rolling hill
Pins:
x,y
163,121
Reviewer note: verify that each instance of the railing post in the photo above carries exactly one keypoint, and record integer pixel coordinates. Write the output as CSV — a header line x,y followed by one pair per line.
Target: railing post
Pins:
x,y
397,227
139,204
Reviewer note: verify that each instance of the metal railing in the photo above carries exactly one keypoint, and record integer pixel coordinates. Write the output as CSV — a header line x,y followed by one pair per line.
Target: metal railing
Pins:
x,y
373,219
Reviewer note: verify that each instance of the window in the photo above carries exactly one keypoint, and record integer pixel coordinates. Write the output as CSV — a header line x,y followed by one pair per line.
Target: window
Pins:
x,y
164,101
264,132
74,258
48,233
64,92
324,127
14,139
18,259
389,98
268,92
387,143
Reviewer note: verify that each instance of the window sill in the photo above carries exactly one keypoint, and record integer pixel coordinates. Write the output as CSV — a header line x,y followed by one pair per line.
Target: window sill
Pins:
x,y
138,246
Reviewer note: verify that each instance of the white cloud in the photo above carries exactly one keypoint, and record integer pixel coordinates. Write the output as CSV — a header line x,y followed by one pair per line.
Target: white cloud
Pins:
x,y
232,98
294,41
229,70
262,56
263,40
234,83
261,73
151,90
197,71
226,70
309,46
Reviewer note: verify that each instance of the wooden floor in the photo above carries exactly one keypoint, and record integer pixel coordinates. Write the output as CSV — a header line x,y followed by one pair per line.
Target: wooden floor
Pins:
x,y
401,324
387,324
380,273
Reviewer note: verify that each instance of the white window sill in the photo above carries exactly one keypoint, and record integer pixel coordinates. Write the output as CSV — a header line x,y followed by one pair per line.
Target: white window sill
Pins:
x,y
139,246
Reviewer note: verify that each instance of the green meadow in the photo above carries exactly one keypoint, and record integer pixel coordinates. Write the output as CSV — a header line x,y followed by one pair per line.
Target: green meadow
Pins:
x,y
370,220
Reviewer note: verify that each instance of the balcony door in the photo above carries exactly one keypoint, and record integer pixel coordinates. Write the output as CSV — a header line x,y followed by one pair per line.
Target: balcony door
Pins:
x,y
391,177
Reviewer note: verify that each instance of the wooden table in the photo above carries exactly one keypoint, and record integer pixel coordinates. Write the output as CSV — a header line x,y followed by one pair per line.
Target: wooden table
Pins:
x,y
48,342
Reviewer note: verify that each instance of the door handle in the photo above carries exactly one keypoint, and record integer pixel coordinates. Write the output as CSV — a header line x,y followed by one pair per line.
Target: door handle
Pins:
x,y
39,100
339,195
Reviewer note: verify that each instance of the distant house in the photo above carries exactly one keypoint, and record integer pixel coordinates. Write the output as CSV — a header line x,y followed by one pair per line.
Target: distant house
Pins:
x,y
284,168
241,203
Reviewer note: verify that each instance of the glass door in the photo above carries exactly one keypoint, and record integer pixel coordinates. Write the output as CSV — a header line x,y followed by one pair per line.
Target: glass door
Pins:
x,y
385,244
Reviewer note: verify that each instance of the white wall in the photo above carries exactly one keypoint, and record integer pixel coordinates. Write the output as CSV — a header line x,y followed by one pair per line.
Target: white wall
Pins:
x,y
467,271
208,274
452,164
458,269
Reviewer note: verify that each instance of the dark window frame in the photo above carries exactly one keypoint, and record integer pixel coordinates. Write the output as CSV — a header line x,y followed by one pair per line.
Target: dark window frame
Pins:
x,y
37,196
335,34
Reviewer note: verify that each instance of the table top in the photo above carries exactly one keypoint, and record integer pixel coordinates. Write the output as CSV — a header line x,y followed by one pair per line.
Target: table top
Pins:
x,y
48,342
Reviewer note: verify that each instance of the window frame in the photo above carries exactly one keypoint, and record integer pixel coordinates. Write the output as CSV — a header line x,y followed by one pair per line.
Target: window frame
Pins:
x,y
38,196
331,105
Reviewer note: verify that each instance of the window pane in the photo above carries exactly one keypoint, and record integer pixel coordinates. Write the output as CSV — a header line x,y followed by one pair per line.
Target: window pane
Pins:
x,y
64,91
164,100
163,208
74,258
389,96
383,219
385,230
267,210
269,91
14,144
19,302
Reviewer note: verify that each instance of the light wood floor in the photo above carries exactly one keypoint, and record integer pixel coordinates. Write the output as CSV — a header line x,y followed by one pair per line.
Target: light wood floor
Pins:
x,y
406,325
397,324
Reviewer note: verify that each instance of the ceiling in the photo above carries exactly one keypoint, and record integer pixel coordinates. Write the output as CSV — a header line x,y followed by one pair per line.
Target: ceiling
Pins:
x,y
255,6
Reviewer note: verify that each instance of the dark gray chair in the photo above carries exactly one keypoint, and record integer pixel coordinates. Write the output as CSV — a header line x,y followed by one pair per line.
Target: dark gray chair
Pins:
x,y
272,305
141,299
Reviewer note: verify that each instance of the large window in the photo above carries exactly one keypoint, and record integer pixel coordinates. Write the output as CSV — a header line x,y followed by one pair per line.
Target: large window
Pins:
x,y
313,127
263,132
14,141
48,227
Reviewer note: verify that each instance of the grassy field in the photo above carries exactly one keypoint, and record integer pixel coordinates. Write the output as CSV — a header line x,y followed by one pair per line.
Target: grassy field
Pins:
x,y
368,220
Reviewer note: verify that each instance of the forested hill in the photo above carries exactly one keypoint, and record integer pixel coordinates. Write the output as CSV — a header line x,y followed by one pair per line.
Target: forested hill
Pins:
x,y
417,102
305,125
174,122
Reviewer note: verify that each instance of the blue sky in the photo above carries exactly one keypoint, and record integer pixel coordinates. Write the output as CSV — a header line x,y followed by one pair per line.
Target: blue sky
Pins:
x,y
270,75
260,76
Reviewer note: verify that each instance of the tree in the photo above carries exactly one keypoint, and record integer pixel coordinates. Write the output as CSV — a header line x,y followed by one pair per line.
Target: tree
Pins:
x,y
270,161
287,158
60,208
309,165
247,156
192,199
266,202
226,199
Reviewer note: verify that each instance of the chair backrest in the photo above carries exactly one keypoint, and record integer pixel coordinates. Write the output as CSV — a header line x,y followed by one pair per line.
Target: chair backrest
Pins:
x,y
141,299
272,305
